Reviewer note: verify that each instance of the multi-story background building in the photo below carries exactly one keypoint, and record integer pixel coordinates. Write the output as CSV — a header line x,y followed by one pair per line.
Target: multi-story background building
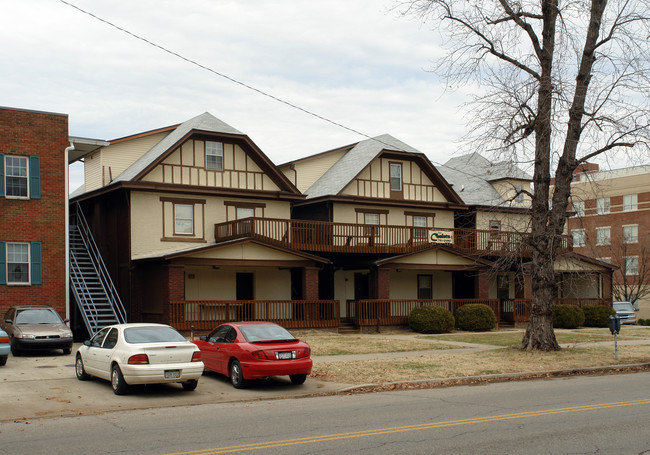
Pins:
x,y
32,208
611,222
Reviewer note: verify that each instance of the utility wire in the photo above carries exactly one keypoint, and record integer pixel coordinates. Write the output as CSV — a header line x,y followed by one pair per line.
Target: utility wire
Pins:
x,y
249,87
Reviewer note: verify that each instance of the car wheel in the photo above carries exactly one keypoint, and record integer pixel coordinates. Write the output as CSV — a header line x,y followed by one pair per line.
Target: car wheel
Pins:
x,y
15,350
120,387
190,385
3,360
79,369
297,379
236,375
67,351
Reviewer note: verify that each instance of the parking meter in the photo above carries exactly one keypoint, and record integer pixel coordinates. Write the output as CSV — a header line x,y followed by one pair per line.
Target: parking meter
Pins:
x,y
614,324
615,327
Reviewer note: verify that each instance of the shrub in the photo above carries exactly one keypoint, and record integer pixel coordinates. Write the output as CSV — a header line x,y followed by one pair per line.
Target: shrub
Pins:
x,y
475,317
568,316
598,315
643,322
431,319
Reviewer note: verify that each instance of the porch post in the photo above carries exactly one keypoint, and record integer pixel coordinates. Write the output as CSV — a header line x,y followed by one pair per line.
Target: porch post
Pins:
x,y
606,285
310,283
482,285
175,288
383,284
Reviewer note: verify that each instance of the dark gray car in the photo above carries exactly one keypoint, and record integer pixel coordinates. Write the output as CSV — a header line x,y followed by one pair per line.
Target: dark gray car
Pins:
x,y
36,327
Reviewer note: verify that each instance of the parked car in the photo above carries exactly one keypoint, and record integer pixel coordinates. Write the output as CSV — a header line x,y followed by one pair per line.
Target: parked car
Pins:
x,y
36,327
253,350
4,347
625,312
128,354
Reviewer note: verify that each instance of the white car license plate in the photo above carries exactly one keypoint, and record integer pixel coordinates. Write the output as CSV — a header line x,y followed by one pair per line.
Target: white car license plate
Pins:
x,y
285,355
172,374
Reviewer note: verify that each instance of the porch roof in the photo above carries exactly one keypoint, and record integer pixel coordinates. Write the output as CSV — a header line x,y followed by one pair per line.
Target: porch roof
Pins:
x,y
451,258
200,251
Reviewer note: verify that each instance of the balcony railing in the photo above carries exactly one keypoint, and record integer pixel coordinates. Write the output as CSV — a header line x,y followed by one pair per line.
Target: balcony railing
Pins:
x,y
308,235
207,314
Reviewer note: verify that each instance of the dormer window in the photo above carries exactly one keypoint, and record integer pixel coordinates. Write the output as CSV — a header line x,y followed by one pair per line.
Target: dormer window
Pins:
x,y
214,156
395,176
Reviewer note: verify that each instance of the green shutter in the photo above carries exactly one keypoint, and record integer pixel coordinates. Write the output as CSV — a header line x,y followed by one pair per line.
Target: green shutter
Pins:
x,y
37,269
2,175
34,177
3,263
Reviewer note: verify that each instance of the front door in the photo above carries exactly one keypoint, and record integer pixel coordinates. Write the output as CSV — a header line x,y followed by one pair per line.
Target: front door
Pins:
x,y
503,294
245,291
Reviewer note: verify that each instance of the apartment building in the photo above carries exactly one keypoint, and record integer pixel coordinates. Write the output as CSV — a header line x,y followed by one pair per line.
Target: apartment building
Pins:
x,y
32,208
611,222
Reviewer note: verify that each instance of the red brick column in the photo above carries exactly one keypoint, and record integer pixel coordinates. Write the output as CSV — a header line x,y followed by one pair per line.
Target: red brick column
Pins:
x,y
606,285
175,288
482,285
382,284
310,283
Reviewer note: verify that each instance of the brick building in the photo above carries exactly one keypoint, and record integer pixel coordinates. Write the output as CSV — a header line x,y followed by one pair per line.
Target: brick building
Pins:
x,y
611,222
32,208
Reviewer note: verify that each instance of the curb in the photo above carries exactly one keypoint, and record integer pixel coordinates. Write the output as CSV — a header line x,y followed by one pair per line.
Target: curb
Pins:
x,y
491,378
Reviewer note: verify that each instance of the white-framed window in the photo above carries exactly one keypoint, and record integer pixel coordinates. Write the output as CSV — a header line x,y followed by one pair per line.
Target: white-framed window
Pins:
x,y
16,176
631,233
18,263
578,237
603,236
630,202
214,156
519,198
395,176
602,206
579,208
183,219
605,260
631,265
371,219
420,222
425,287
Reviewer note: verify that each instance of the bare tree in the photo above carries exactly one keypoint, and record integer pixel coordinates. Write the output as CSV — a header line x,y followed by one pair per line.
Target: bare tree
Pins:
x,y
560,83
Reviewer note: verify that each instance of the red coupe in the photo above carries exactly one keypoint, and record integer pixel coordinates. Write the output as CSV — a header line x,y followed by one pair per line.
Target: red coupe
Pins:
x,y
253,350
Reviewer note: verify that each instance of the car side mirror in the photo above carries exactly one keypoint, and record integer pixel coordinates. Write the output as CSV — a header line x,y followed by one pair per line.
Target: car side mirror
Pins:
x,y
87,343
9,321
66,320
203,337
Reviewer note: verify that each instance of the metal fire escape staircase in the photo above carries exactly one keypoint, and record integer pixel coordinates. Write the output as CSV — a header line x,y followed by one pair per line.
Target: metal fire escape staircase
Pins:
x,y
91,285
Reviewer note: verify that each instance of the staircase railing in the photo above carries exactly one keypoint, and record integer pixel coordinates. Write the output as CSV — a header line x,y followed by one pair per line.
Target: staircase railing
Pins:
x,y
88,307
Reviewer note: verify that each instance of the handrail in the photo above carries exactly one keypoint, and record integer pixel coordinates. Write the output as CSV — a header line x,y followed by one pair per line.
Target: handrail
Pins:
x,y
100,267
328,236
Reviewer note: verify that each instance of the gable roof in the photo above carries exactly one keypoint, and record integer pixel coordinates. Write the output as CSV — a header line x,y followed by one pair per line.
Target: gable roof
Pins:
x,y
471,176
359,156
204,122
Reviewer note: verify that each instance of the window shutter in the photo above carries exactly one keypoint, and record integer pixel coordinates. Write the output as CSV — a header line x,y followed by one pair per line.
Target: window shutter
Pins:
x,y
34,177
37,269
2,175
3,263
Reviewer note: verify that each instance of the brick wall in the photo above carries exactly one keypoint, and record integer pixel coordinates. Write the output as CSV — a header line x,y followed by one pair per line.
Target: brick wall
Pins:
x,y
29,133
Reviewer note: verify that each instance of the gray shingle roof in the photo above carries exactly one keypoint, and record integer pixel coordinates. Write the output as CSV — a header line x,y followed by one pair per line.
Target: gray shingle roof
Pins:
x,y
204,122
471,175
354,161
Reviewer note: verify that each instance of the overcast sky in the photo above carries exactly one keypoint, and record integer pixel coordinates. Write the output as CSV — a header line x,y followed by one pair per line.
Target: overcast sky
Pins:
x,y
357,63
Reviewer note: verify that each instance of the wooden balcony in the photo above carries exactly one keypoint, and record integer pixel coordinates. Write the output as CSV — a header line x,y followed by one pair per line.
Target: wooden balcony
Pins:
x,y
321,236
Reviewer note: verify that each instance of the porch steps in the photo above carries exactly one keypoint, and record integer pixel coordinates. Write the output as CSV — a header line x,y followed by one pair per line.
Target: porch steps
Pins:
x,y
90,283
348,327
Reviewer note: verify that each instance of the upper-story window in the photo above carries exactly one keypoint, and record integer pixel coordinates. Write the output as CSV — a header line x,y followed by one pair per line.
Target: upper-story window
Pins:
x,y
630,202
395,176
579,208
420,223
183,219
631,265
16,176
578,237
603,236
214,156
631,233
519,194
602,206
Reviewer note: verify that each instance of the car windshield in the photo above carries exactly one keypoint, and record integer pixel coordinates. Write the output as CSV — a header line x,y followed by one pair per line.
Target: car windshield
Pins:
x,y
151,334
37,316
265,332
623,306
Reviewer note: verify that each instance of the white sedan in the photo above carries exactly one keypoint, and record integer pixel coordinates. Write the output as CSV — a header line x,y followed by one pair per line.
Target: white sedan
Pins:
x,y
128,354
